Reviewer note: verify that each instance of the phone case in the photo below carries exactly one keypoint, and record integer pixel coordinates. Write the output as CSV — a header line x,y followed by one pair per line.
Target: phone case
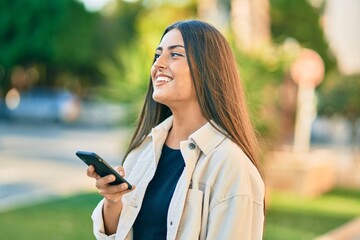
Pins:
x,y
101,166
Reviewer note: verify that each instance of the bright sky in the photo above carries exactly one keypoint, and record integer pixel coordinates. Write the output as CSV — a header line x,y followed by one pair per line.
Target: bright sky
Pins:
x,y
94,5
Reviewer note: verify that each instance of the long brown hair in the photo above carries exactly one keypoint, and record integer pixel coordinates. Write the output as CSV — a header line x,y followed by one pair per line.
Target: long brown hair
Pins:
x,y
217,84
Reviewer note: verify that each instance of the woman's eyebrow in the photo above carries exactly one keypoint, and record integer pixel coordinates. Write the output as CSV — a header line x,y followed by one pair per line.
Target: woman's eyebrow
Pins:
x,y
170,47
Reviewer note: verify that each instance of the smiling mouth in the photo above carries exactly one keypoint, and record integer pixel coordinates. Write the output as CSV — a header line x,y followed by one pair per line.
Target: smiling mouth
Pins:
x,y
163,79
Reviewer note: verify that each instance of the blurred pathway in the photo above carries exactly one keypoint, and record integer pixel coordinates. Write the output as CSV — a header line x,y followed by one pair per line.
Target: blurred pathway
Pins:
x,y
38,161
348,231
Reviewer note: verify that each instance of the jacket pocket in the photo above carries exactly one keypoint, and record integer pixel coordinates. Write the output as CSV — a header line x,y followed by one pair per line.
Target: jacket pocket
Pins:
x,y
190,224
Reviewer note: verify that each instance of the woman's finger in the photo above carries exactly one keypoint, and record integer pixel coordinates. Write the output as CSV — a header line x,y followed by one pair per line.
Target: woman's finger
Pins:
x,y
103,182
114,192
121,171
91,172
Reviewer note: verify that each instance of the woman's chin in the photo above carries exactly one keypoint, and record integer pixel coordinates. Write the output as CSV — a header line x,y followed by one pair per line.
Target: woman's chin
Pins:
x,y
158,98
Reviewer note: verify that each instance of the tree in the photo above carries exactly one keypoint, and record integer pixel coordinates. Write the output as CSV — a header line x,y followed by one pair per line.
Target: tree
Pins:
x,y
340,95
54,38
301,21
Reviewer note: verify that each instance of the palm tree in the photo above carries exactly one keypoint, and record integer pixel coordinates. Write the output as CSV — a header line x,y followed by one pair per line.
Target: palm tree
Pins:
x,y
214,12
250,23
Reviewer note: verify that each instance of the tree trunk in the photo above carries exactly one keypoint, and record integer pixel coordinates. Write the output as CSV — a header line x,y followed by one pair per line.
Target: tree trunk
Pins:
x,y
211,11
250,23
355,125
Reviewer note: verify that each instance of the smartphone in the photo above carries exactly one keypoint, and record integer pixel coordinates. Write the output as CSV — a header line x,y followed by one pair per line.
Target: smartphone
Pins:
x,y
101,167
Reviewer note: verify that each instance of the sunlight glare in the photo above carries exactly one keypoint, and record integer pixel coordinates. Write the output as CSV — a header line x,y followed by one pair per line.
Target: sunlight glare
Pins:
x,y
95,5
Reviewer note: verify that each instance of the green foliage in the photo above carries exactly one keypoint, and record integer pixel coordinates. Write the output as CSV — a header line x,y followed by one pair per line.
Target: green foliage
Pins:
x,y
300,21
340,95
125,68
56,35
118,28
262,75
128,77
109,54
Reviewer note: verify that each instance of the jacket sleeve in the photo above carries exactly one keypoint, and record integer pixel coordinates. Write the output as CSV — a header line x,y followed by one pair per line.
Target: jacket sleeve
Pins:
x,y
238,217
98,223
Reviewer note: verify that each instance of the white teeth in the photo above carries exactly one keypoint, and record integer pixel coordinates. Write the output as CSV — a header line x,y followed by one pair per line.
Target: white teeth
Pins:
x,y
163,79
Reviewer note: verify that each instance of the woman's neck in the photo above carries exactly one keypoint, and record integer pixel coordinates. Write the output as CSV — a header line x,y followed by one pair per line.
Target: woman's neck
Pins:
x,y
183,126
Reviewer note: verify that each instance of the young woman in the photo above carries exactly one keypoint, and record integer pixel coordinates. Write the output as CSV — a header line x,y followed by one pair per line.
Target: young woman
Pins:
x,y
193,154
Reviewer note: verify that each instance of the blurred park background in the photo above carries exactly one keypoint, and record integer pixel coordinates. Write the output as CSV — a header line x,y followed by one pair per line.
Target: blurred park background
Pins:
x,y
73,74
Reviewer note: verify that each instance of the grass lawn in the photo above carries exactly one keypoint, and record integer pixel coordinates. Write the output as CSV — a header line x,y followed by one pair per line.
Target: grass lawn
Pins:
x,y
63,219
288,217
294,218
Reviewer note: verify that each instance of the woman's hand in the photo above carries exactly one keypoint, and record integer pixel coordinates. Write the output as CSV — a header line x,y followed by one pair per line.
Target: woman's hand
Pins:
x,y
112,193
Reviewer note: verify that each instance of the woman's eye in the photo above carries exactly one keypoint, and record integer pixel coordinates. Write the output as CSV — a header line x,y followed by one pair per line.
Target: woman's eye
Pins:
x,y
156,56
175,54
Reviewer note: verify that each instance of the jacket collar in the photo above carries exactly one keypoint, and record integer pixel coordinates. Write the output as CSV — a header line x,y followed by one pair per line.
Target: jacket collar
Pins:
x,y
206,138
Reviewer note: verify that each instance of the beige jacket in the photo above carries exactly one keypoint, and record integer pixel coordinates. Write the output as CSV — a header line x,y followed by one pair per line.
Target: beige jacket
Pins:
x,y
220,194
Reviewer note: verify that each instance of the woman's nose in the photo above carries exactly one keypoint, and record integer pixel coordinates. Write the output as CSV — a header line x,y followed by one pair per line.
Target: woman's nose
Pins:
x,y
161,62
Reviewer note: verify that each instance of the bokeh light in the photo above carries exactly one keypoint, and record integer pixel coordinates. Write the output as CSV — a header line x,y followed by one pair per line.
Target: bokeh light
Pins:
x,y
12,99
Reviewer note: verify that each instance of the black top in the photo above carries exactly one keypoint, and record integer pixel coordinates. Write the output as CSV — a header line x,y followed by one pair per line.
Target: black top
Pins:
x,y
151,222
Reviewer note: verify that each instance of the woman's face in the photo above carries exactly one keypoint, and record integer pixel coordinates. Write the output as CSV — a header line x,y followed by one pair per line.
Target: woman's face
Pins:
x,y
170,73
